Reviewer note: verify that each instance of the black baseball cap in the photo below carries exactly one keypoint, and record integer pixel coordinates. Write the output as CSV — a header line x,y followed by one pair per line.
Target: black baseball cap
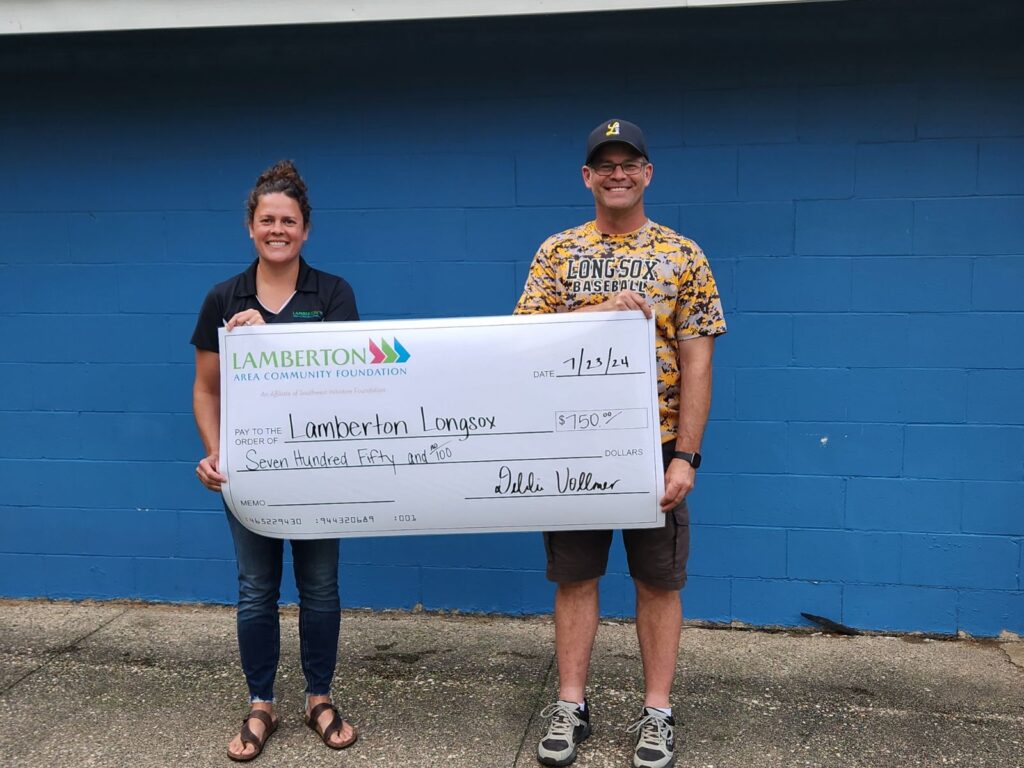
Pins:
x,y
614,130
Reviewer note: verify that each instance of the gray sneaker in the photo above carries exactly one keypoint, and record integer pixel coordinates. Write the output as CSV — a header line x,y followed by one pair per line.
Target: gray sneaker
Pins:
x,y
568,727
655,740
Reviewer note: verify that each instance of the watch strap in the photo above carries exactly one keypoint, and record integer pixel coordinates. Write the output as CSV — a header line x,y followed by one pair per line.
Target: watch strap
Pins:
x,y
693,459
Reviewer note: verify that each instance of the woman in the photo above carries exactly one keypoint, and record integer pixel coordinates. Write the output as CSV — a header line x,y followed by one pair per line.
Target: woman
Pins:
x,y
279,287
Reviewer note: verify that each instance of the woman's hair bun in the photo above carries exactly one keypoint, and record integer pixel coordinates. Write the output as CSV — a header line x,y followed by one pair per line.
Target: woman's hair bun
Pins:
x,y
281,177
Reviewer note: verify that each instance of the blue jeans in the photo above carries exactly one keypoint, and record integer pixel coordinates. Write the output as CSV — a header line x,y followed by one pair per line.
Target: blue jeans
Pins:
x,y
259,587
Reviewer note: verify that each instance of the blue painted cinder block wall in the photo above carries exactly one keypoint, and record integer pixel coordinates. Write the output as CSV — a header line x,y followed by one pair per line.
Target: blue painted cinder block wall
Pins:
x,y
855,172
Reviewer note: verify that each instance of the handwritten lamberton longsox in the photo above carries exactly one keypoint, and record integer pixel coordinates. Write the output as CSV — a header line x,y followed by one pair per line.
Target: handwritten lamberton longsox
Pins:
x,y
621,261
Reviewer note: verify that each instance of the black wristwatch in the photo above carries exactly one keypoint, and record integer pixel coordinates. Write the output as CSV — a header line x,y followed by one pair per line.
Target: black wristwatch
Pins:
x,y
693,459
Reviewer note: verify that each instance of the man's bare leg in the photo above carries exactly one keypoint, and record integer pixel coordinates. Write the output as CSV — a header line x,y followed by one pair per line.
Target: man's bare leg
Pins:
x,y
576,614
659,620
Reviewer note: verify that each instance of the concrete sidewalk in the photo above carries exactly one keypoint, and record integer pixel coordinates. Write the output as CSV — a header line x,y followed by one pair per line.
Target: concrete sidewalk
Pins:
x,y
117,684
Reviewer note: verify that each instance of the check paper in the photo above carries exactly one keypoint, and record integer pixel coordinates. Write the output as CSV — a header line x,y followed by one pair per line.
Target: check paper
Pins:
x,y
522,423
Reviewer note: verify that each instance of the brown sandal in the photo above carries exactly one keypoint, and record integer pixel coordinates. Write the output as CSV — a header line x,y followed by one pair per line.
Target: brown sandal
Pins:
x,y
335,726
248,737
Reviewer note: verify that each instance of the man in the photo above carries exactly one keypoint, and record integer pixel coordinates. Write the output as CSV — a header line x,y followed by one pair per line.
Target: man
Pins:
x,y
673,285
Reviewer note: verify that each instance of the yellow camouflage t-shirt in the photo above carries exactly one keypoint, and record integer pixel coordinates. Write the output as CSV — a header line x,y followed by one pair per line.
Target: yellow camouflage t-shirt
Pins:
x,y
582,266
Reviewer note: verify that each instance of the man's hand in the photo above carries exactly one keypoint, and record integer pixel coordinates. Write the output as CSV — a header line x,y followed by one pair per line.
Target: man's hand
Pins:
x,y
209,472
679,480
626,300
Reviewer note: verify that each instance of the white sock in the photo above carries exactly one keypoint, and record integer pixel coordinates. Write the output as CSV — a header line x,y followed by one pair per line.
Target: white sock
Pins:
x,y
666,711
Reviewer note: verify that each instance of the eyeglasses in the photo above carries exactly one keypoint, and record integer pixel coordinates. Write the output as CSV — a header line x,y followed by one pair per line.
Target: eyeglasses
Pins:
x,y
629,167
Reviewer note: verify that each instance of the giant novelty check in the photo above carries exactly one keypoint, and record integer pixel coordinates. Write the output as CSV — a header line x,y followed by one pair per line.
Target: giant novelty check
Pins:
x,y
545,422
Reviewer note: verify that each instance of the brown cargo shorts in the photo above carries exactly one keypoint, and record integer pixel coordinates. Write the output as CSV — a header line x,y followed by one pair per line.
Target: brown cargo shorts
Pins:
x,y
656,556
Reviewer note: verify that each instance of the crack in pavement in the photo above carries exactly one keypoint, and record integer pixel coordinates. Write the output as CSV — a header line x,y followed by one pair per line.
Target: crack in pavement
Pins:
x,y
538,701
51,655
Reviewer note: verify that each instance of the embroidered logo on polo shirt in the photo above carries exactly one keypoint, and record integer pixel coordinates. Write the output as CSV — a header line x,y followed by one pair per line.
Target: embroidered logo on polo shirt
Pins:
x,y
307,314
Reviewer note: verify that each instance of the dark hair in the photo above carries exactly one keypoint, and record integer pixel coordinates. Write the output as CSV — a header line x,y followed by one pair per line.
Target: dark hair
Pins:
x,y
282,177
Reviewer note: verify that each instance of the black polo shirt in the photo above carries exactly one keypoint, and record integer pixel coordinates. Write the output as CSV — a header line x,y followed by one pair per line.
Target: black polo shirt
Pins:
x,y
318,296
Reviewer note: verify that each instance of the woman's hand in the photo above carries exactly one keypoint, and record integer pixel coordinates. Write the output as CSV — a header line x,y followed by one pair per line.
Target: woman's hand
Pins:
x,y
246,317
208,470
